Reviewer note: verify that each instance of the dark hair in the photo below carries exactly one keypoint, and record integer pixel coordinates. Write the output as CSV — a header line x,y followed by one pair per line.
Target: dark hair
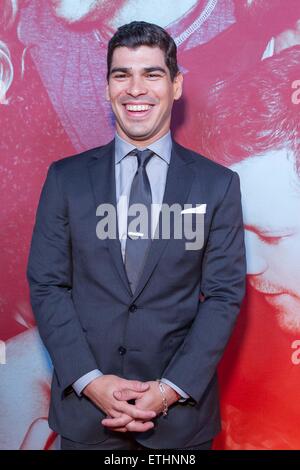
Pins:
x,y
255,112
140,33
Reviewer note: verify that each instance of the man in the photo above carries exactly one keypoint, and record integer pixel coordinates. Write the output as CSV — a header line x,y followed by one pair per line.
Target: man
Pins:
x,y
254,127
262,29
78,32
136,327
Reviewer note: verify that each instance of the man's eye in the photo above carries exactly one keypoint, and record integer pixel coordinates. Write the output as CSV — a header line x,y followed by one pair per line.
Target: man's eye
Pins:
x,y
120,75
154,75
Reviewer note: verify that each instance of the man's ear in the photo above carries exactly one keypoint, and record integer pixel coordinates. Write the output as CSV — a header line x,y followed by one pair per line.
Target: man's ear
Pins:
x,y
178,86
107,93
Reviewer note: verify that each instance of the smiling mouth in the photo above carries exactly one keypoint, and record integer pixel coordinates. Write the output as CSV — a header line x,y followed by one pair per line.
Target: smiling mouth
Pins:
x,y
265,288
138,110
269,293
272,294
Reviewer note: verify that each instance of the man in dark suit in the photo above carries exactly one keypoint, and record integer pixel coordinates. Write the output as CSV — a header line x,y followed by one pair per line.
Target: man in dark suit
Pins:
x,y
136,320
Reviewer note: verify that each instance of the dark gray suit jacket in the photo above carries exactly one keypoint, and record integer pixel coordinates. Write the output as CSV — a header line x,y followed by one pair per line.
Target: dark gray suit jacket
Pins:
x,y
88,318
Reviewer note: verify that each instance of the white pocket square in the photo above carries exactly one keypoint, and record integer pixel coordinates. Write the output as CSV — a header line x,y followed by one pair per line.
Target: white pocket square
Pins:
x,y
200,209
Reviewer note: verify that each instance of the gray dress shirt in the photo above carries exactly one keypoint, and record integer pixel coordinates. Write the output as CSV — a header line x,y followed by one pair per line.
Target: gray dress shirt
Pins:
x,y
125,169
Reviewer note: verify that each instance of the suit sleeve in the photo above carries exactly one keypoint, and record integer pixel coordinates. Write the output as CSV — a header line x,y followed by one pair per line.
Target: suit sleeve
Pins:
x,y
223,285
49,274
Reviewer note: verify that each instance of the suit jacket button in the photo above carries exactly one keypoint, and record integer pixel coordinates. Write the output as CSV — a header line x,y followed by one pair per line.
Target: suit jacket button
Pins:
x,y
132,308
122,350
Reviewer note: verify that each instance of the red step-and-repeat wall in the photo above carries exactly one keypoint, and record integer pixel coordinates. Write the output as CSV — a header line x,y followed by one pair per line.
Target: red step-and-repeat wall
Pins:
x,y
241,108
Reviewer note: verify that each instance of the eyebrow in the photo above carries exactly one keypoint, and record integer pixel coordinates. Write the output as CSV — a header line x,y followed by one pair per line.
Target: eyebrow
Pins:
x,y
155,68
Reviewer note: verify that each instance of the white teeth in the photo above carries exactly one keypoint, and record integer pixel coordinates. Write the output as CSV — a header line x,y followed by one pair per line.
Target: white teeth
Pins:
x,y
138,107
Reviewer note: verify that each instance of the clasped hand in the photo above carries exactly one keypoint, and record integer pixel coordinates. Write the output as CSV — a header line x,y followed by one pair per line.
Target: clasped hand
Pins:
x,y
112,394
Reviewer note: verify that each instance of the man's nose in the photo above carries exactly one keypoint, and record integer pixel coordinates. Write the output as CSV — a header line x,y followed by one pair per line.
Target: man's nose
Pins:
x,y
136,87
256,261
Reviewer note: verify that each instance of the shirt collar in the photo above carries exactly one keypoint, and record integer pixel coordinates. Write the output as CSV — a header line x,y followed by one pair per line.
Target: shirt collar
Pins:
x,y
161,147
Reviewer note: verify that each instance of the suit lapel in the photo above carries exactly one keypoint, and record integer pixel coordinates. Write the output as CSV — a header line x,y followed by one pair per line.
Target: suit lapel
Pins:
x,y
102,176
179,180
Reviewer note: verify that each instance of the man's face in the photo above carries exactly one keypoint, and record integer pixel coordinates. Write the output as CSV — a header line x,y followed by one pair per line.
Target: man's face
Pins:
x,y
141,93
271,205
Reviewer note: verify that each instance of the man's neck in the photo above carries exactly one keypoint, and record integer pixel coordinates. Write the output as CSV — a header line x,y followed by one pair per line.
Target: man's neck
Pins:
x,y
141,143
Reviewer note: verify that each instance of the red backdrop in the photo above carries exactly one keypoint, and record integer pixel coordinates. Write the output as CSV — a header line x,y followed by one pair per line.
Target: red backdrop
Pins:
x,y
52,104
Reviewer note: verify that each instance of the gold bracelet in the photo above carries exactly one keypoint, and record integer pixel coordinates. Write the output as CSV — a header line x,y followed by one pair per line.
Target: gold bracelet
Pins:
x,y
164,398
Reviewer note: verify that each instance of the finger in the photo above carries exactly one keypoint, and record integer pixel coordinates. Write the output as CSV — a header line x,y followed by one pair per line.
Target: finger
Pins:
x,y
136,385
120,430
134,412
118,422
126,395
138,426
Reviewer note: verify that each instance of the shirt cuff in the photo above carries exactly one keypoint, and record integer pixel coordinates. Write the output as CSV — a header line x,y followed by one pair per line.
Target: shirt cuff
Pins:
x,y
184,396
81,383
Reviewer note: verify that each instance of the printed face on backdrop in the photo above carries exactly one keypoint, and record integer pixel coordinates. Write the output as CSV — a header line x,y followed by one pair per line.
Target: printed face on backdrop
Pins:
x,y
271,207
142,93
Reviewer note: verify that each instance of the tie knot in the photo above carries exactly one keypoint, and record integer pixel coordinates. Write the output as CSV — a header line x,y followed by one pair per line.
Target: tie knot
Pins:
x,y
143,157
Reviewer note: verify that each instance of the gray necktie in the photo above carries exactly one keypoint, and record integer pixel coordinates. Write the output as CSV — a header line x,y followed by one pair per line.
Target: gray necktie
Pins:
x,y
137,245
